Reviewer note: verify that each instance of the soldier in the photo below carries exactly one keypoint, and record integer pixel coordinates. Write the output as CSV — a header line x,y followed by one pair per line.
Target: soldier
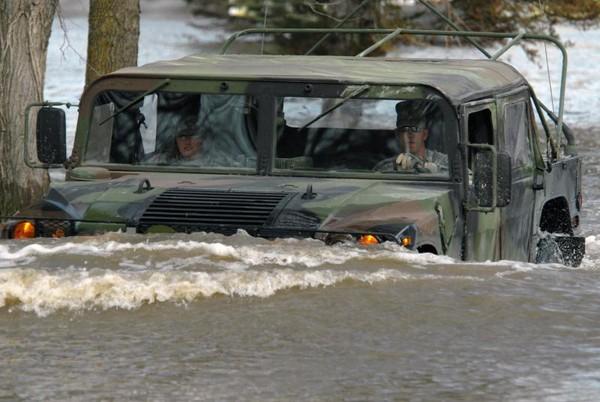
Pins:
x,y
189,143
412,134
193,147
187,147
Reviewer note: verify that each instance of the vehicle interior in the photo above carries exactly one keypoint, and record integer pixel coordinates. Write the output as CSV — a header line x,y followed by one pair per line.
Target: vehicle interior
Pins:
x,y
357,137
145,133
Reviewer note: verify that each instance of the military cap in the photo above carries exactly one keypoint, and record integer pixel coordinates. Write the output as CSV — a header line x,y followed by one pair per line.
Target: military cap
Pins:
x,y
413,113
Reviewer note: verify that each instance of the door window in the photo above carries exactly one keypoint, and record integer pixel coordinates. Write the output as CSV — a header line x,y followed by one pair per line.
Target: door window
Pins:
x,y
517,134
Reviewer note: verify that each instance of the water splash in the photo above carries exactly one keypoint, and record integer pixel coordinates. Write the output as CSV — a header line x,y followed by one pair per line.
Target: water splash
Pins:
x,y
125,271
45,292
239,251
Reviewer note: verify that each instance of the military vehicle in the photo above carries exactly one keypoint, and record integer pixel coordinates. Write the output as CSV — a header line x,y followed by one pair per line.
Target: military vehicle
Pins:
x,y
454,157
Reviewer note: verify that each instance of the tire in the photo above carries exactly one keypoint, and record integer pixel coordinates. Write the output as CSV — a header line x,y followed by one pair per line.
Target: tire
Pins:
x,y
548,252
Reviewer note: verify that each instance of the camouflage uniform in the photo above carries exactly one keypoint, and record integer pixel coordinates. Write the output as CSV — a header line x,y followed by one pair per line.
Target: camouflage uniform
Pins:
x,y
438,158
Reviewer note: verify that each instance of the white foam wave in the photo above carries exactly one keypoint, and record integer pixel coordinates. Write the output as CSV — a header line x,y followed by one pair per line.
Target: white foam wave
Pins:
x,y
591,260
45,292
115,252
111,247
592,245
305,253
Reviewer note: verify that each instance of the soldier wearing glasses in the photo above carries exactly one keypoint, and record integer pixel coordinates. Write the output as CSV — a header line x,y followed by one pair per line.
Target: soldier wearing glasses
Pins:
x,y
412,134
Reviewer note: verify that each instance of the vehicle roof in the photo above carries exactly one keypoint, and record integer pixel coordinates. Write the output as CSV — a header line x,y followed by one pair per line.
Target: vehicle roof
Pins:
x,y
459,80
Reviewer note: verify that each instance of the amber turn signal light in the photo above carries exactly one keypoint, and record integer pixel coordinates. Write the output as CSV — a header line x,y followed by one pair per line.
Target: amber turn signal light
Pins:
x,y
407,241
24,230
368,240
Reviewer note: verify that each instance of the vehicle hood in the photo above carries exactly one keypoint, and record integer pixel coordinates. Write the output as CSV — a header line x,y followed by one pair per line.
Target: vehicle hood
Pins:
x,y
319,204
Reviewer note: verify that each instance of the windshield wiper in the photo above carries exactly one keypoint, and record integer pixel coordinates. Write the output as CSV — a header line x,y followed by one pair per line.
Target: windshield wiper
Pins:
x,y
136,100
353,94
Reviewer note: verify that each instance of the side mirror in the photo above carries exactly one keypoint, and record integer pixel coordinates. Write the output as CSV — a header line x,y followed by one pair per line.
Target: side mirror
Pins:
x,y
483,179
490,193
51,139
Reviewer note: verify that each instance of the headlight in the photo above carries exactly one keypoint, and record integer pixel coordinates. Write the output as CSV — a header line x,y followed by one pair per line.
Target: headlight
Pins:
x,y
28,229
407,237
368,240
24,230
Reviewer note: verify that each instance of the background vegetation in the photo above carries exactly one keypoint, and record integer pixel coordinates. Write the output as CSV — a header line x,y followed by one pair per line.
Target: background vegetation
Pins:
x,y
476,15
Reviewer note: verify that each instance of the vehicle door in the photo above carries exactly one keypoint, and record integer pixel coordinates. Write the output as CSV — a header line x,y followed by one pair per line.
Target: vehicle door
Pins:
x,y
516,140
479,127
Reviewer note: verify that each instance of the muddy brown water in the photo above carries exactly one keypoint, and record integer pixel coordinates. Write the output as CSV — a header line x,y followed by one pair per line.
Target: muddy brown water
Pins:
x,y
208,317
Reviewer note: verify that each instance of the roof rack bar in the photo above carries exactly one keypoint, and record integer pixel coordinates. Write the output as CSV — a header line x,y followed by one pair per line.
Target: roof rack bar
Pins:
x,y
453,25
514,41
253,31
540,108
342,22
385,31
510,44
570,149
380,42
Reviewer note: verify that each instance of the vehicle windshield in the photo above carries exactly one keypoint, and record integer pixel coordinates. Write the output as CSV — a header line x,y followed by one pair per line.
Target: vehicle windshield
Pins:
x,y
363,135
364,129
173,129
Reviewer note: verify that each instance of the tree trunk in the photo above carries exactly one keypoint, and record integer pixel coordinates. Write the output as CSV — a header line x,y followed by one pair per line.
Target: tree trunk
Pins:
x,y
25,28
114,29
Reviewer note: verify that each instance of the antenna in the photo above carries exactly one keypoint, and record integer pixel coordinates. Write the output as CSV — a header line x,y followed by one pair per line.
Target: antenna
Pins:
x,y
547,63
266,7
454,26
342,22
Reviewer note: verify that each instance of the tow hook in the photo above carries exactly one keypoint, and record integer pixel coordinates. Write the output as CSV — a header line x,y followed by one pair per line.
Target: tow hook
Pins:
x,y
144,186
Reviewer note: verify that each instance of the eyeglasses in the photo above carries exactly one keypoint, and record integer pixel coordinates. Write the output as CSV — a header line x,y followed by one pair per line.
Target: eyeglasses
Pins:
x,y
409,129
190,137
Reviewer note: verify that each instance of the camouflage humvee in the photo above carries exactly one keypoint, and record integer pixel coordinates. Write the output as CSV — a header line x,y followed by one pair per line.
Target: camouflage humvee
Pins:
x,y
318,146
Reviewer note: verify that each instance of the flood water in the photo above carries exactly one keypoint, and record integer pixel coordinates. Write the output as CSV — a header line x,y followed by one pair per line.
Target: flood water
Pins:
x,y
208,317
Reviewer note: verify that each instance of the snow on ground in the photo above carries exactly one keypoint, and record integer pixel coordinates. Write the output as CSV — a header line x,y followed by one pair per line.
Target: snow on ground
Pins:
x,y
170,31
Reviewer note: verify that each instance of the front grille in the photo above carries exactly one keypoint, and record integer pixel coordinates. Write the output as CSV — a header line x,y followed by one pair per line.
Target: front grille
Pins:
x,y
54,228
191,210
298,219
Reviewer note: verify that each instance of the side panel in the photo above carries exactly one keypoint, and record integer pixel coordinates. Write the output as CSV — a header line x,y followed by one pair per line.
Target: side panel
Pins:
x,y
515,139
563,181
482,239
